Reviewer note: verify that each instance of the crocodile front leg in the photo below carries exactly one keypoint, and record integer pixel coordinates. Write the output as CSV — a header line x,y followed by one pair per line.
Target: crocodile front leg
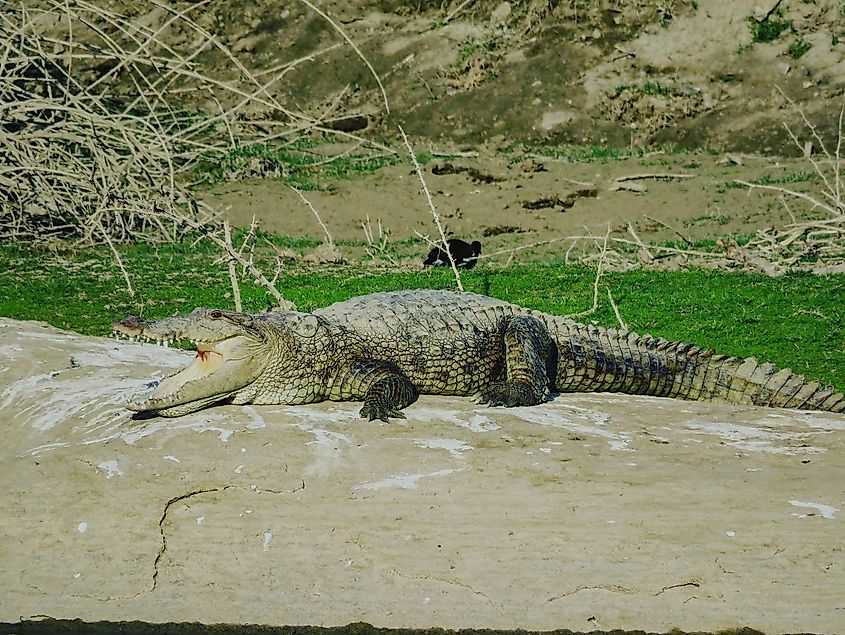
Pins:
x,y
528,354
384,387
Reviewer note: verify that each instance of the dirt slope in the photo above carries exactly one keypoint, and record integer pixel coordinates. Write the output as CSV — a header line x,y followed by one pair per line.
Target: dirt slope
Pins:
x,y
681,72
509,202
685,73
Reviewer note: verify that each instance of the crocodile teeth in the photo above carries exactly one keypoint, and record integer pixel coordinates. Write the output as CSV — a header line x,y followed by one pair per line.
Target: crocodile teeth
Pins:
x,y
148,339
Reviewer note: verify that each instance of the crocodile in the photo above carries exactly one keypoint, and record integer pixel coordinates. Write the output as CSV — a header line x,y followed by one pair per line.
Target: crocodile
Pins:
x,y
387,348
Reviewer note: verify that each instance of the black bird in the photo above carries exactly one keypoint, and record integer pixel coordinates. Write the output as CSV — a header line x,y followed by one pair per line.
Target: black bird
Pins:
x,y
465,254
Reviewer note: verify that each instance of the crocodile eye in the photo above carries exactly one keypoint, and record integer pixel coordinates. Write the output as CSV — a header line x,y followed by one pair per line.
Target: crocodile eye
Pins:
x,y
215,314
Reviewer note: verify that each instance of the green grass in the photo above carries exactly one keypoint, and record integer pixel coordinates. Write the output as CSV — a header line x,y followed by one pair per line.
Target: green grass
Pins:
x,y
719,219
591,153
768,30
468,48
583,154
796,320
653,87
648,87
472,46
595,152
770,179
297,164
797,49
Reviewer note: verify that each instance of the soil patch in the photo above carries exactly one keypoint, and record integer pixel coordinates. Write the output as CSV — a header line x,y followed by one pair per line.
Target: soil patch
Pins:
x,y
520,200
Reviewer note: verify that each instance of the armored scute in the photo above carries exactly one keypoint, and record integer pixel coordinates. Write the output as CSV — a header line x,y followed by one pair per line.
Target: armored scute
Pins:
x,y
386,348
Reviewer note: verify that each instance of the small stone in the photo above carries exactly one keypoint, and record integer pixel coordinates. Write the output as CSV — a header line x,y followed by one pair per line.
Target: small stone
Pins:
x,y
553,119
500,13
246,44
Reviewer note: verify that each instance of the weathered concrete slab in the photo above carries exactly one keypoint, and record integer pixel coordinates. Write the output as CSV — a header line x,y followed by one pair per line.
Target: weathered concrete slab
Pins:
x,y
601,511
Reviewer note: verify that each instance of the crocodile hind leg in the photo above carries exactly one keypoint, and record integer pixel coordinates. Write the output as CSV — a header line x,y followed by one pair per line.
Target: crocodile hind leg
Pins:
x,y
528,350
385,388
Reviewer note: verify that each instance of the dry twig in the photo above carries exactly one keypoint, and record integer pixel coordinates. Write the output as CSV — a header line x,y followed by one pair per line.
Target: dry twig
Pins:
x,y
94,143
434,214
670,228
377,245
644,250
233,274
326,233
654,176
599,271
815,244
456,11
615,308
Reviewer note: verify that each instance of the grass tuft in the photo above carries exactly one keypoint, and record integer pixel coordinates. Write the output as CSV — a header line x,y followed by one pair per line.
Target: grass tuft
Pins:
x,y
770,179
768,30
797,49
649,87
297,164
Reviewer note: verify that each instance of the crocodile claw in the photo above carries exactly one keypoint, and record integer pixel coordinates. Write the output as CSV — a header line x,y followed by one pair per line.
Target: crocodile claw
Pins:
x,y
496,394
506,393
382,412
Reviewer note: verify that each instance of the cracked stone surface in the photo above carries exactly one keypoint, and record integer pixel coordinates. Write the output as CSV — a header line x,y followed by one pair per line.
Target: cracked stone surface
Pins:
x,y
591,511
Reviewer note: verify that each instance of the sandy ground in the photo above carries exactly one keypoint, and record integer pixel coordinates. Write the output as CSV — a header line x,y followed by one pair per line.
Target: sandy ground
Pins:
x,y
588,512
505,203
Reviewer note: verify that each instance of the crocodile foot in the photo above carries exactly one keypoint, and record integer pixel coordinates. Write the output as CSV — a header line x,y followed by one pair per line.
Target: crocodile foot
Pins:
x,y
508,394
380,410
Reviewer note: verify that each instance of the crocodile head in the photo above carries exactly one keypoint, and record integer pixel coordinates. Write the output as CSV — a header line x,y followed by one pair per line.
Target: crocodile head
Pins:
x,y
231,352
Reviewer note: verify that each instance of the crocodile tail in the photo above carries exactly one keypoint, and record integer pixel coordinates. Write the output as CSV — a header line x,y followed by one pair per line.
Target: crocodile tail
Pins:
x,y
595,359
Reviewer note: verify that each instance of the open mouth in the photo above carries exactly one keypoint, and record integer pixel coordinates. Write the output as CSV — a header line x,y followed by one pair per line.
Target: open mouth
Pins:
x,y
207,354
209,359
213,374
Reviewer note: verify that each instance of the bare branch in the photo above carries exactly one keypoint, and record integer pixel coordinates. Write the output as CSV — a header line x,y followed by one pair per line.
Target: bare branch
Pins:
x,y
599,271
355,48
457,10
654,176
615,308
434,213
326,233
233,274
813,201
